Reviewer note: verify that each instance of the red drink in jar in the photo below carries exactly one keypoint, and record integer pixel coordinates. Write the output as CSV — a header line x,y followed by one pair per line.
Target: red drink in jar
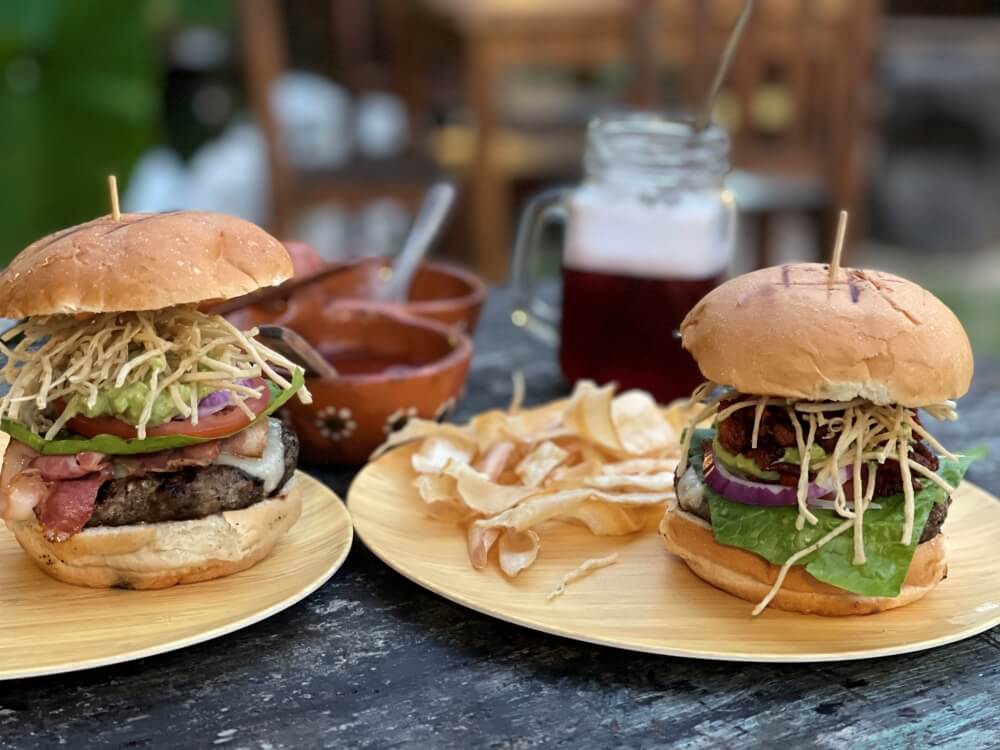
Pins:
x,y
649,232
621,328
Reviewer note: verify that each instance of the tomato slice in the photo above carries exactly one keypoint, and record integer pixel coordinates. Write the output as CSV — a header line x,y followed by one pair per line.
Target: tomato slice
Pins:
x,y
226,422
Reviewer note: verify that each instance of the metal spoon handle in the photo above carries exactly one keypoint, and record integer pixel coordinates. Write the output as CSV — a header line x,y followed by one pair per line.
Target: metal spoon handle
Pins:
x,y
426,227
289,343
705,115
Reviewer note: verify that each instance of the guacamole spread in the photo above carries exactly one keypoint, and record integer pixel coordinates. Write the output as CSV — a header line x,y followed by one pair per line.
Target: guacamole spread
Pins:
x,y
126,403
748,467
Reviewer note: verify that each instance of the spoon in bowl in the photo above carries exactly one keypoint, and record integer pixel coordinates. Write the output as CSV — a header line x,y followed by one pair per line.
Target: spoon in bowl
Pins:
x,y
395,286
425,230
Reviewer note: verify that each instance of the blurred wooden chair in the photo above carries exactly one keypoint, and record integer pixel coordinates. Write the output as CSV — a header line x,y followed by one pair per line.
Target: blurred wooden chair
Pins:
x,y
498,38
794,103
294,189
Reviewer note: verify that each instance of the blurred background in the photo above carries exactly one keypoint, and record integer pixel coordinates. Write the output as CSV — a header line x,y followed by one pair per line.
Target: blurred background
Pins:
x,y
326,120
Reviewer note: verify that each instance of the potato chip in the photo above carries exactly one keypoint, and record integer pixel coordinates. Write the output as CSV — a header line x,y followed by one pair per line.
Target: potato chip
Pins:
x,y
542,461
436,488
479,542
640,426
517,550
571,477
662,482
535,510
574,472
640,466
481,494
449,511
492,427
553,433
607,520
494,461
437,450
679,412
631,498
588,414
602,461
584,569
416,429
440,495
593,453
517,394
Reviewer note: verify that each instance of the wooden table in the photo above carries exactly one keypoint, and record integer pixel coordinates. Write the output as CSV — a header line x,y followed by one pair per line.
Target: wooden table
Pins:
x,y
372,660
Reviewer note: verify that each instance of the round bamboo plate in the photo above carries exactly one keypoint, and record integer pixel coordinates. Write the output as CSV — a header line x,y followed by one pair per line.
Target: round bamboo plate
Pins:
x,y
649,601
50,627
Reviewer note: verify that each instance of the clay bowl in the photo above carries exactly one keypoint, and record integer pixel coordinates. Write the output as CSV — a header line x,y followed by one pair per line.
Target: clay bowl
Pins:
x,y
392,366
440,292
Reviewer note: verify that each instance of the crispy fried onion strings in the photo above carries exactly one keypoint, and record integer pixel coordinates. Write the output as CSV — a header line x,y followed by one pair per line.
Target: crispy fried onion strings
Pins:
x,y
61,358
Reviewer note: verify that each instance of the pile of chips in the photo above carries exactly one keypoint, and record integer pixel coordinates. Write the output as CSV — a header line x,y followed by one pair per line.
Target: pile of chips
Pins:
x,y
598,459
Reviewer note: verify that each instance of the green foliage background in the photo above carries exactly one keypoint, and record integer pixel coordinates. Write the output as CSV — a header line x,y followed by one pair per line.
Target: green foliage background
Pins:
x,y
80,98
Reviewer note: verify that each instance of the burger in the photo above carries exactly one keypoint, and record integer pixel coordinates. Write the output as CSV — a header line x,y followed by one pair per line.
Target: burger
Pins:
x,y
143,452
818,488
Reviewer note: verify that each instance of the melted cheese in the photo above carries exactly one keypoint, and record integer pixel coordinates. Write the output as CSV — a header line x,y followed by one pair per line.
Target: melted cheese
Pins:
x,y
690,491
270,467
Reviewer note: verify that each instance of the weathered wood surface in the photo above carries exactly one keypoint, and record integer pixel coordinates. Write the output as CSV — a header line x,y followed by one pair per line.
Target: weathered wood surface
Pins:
x,y
372,660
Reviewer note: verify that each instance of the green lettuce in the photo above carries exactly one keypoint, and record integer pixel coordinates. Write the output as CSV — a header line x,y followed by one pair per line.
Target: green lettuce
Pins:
x,y
69,444
770,532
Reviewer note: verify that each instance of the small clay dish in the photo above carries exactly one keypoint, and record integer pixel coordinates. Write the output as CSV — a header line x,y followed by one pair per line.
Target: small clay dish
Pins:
x,y
440,292
392,366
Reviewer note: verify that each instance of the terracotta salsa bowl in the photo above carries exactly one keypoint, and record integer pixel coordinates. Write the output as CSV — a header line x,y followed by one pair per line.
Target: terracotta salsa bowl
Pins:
x,y
392,366
440,292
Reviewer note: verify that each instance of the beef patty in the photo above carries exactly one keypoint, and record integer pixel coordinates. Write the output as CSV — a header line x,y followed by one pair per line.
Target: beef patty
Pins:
x,y
186,494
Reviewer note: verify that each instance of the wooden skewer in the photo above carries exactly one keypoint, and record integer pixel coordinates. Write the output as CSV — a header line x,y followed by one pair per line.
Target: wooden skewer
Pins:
x,y
116,214
705,114
838,247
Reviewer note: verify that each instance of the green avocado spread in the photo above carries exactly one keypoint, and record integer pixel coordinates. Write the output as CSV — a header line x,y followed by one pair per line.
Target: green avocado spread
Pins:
x,y
748,467
126,403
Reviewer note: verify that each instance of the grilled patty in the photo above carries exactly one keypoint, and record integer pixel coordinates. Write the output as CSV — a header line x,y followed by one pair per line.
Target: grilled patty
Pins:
x,y
186,494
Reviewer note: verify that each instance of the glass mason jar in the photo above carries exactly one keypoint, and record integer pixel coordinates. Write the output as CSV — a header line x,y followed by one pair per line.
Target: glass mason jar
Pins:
x,y
649,231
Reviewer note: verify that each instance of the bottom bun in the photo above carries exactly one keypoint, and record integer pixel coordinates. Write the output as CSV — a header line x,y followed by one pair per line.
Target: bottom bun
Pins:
x,y
750,576
160,555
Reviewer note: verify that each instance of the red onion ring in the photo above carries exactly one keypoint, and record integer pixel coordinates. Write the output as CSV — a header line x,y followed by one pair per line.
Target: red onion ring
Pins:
x,y
747,492
218,400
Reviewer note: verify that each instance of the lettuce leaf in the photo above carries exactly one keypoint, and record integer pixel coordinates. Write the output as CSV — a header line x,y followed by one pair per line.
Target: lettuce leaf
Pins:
x,y
771,532
69,444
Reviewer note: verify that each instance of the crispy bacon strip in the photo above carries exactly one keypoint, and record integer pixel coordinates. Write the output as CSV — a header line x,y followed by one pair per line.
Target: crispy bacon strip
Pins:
x,y
69,506
56,468
62,490
202,454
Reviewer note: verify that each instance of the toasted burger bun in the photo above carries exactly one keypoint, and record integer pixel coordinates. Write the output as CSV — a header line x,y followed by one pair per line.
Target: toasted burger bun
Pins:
x,y
160,555
783,331
750,576
142,262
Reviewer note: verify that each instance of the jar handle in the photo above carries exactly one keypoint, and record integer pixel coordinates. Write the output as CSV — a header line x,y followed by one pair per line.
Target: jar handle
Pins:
x,y
732,218
535,316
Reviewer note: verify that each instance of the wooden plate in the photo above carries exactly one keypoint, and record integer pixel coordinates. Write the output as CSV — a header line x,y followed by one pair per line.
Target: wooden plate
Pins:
x,y
49,627
649,601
